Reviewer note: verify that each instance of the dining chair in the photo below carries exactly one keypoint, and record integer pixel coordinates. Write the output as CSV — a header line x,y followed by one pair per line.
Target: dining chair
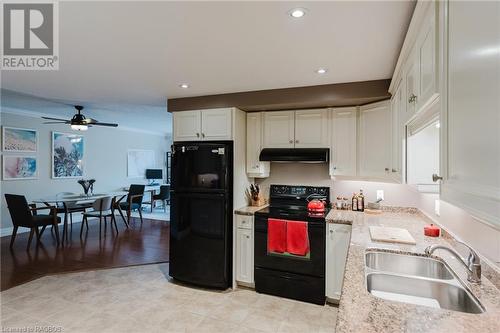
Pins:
x,y
163,196
25,216
134,200
101,209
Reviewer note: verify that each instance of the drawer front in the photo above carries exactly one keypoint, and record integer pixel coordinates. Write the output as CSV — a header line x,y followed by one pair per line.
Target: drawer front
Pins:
x,y
244,221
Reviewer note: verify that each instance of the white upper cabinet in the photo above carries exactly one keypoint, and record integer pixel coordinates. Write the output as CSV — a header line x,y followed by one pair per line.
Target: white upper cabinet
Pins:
x,y
411,84
187,125
216,124
311,129
397,135
296,129
470,123
255,168
210,124
375,140
427,55
279,128
343,150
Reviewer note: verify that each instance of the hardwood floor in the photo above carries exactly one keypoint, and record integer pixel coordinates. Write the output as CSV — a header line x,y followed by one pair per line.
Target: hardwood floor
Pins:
x,y
141,244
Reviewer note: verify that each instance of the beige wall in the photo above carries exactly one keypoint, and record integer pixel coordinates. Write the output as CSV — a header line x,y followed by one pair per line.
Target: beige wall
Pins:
x,y
105,160
481,236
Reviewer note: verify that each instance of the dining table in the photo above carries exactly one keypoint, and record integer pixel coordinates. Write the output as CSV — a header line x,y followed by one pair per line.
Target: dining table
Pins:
x,y
66,201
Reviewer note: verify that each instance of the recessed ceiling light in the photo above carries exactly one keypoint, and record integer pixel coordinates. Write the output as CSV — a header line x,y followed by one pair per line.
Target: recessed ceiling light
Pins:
x,y
321,70
184,85
297,12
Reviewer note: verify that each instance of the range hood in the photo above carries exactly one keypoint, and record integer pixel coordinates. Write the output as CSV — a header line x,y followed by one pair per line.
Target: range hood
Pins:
x,y
305,155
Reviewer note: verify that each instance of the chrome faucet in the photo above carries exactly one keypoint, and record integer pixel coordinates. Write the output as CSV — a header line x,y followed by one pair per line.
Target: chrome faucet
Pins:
x,y
473,263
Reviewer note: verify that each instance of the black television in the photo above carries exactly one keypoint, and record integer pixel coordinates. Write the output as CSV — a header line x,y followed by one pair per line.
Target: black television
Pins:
x,y
154,174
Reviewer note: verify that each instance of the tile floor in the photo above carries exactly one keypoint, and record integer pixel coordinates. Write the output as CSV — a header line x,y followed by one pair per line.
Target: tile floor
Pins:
x,y
144,299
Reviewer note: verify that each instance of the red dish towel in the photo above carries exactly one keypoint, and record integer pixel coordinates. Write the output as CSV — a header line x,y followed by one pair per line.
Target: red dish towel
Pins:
x,y
276,235
297,238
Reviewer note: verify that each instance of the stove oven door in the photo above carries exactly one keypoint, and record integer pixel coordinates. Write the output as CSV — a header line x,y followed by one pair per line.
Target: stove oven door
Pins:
x,y
313,264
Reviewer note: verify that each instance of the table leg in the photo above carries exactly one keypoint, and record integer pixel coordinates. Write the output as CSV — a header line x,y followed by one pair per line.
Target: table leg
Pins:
x,y
65,225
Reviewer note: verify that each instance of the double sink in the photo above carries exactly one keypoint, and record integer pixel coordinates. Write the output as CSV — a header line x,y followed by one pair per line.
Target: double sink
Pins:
x,y
417,280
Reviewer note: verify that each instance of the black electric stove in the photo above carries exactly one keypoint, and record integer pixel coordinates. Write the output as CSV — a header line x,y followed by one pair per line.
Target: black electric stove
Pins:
x,y
301,278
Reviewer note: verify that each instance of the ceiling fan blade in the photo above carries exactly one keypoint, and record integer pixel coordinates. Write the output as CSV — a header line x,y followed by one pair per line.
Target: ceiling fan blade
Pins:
x,y
57,122
105,124
55,119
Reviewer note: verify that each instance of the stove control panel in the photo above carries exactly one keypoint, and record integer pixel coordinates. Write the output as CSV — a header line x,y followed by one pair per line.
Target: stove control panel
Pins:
x,y
299,192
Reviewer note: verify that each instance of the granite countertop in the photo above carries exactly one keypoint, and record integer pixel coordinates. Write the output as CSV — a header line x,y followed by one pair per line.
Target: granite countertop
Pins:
x,y
248,210
359,311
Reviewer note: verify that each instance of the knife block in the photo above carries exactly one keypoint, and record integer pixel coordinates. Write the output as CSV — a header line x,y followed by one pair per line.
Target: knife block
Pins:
x,y
259,202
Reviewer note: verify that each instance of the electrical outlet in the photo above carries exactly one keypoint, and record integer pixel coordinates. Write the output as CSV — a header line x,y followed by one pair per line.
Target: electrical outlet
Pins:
x,y
437,207
380,195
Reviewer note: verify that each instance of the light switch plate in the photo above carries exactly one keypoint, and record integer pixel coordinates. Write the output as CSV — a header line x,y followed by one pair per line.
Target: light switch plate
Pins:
x,y
437,207
380,195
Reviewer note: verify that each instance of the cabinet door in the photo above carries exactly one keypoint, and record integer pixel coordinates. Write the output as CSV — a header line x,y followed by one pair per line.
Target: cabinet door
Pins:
x,y
216,124
279,129
471,123
255,168
411,81
187,125
337,246
244,255
427,59
396,137
375,140
343,151
311,128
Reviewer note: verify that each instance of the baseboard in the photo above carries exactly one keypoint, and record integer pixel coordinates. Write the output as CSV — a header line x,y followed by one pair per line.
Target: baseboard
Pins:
x,y
8,231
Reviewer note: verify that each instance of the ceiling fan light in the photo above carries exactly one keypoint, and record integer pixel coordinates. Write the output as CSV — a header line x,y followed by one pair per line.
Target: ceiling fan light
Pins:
x,y
79,127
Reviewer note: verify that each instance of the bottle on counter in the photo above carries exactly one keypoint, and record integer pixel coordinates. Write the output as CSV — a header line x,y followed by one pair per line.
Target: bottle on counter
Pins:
x,y
345,203
361,201
354,206
339,203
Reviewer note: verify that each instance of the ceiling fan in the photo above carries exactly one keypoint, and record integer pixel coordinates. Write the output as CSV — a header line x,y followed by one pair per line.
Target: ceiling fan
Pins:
x,y
79,122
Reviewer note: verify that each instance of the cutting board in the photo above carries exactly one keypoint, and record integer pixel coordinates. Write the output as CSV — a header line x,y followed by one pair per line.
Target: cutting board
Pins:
x,y
391,235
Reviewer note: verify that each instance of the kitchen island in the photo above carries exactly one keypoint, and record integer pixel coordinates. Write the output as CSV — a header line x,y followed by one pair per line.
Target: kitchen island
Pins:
x,y
360,311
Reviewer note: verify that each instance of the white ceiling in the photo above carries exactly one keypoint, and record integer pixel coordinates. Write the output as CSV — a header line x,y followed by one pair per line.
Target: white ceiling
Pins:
x,y
138,53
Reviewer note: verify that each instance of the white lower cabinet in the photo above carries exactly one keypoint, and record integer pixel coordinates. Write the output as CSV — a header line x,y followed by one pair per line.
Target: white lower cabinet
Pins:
x,y
244,250
337,245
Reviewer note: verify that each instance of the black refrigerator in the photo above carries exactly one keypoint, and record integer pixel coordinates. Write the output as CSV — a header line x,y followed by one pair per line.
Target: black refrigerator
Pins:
x,y
201,213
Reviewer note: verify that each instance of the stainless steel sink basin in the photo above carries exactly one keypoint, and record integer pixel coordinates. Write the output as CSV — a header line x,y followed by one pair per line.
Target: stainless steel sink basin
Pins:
x,y
408,265
417,280
426,292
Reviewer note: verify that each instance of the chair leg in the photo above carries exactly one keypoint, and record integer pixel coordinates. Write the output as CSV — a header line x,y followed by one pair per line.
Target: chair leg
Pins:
x,y
99,228
164,206
105,225
56,231
13,237
37,233
140,214
30,238
113,219
43,229
81,227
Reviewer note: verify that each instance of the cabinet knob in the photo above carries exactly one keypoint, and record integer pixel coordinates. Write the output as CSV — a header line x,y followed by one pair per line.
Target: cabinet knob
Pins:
x,y
198,135
256,166
394,170
386,169
331,231
291,141
412,99
296,141
202,135
436,177
247,236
